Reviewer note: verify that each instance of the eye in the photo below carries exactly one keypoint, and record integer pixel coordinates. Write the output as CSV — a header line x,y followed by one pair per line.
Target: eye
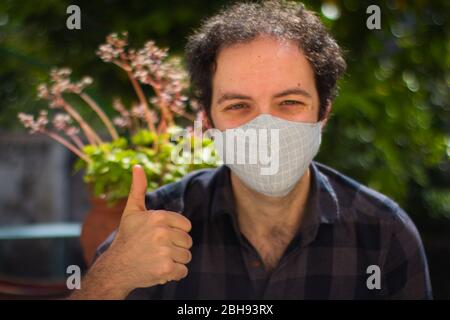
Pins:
x,y
237,106
292,102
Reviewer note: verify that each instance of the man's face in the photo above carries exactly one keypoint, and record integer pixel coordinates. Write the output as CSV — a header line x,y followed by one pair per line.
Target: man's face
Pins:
x,y
263,76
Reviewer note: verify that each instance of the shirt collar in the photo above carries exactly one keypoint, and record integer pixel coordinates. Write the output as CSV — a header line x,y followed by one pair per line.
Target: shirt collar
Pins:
x,y
222,194
322,205
322,198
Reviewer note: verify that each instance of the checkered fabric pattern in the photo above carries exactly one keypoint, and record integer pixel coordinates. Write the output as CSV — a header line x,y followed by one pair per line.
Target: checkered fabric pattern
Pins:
x,y
347,227
292,144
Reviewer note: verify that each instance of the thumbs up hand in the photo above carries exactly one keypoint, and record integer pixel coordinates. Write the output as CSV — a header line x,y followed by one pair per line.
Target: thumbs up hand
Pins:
x,y
151,246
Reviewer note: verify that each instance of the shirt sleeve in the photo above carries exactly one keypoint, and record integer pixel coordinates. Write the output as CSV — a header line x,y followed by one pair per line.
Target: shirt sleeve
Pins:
x,y
406,268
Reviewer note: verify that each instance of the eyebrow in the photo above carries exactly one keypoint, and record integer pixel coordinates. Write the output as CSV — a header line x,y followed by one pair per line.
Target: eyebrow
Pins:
x,y
298,91
233,95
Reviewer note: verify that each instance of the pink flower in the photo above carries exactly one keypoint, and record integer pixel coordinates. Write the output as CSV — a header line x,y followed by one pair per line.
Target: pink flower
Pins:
x,y
114,47
121,122
61,121
34,126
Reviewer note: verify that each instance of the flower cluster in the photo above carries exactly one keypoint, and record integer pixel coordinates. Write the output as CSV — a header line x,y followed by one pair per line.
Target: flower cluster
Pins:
x,y
60,83
149,65
60,122
35,126
114,47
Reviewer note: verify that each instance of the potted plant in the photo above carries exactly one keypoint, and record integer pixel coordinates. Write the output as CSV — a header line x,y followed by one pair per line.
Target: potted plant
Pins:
x,y
140,134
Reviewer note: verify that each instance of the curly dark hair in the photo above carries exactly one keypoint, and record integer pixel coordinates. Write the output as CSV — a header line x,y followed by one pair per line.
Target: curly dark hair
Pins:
x,y
243,22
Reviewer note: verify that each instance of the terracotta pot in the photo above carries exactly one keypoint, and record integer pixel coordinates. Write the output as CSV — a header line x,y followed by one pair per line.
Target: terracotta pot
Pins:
x,y
98,224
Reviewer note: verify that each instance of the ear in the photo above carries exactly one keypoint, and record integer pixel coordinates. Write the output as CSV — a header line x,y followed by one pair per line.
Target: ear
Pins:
x,y
203,117
327,113
206,121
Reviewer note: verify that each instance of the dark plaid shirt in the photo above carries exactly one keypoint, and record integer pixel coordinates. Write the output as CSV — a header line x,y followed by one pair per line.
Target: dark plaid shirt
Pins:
x,y
347,227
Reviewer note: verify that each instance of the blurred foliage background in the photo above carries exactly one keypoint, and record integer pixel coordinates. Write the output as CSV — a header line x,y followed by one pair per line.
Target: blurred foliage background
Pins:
x,y
390,123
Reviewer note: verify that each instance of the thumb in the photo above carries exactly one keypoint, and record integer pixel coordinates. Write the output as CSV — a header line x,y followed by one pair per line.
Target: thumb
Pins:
x,y
136,197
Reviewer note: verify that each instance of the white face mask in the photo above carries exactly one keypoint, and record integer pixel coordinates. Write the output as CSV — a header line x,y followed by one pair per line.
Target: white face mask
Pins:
x,y
270,154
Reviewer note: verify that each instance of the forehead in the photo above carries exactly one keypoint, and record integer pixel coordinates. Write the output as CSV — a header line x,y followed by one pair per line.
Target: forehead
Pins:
x,y
264,61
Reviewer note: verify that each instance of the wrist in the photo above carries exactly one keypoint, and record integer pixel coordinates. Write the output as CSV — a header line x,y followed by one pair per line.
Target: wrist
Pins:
x,y
104,280
112,270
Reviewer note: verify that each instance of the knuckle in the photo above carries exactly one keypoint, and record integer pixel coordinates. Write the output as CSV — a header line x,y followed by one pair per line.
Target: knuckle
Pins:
x,y
134,196
183,272
188,256
187,223
189,241
167,268
157,217
160,233
183,220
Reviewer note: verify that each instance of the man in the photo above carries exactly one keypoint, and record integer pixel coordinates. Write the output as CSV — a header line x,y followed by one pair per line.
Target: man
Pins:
x,y
307,232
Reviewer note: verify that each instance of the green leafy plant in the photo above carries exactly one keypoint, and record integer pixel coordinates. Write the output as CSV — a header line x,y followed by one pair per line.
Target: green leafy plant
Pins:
x,y
144,130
